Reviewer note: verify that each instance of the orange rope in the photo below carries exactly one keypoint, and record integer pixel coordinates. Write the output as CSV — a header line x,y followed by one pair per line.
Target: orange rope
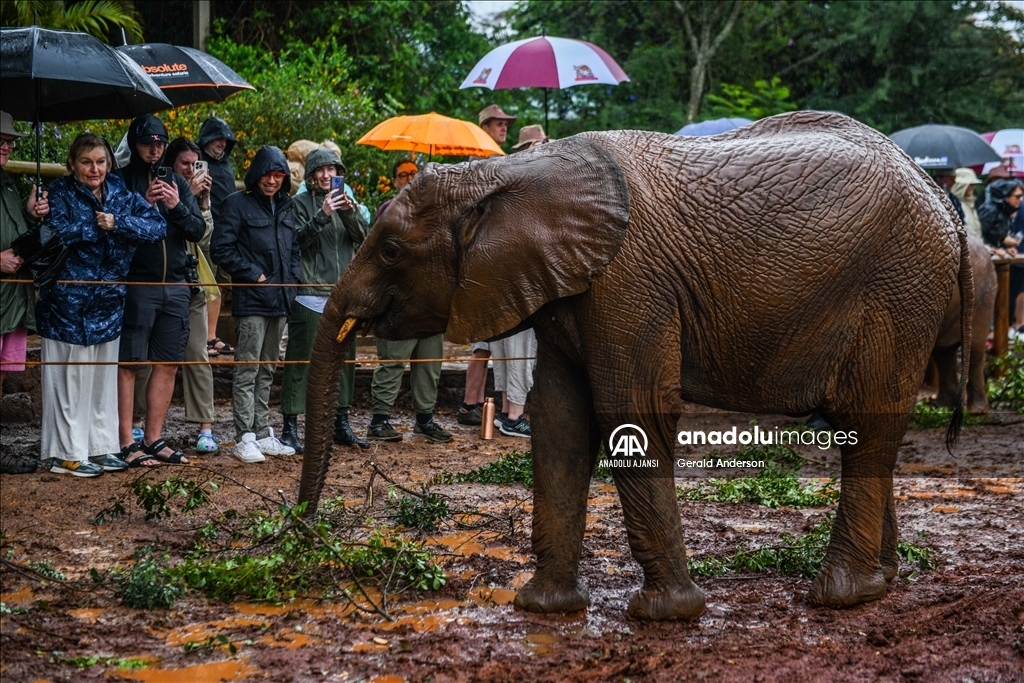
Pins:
x,y
170,284
368,361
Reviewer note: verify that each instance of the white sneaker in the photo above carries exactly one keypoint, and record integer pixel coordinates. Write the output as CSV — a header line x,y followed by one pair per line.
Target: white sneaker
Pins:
x,y
271,445
248,450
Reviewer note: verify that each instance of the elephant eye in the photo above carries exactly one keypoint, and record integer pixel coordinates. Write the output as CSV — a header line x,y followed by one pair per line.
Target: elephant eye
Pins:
x,y
390,252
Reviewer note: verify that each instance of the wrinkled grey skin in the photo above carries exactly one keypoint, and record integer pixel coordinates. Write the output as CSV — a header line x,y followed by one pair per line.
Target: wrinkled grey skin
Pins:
x,y
948,343
759,270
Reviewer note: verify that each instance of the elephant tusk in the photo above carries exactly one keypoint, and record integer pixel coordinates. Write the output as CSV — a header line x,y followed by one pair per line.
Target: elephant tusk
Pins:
x,y
346,328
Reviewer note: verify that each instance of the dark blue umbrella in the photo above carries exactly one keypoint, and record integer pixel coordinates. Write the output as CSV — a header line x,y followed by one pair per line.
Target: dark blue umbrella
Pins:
x,y
68,76
942,147
712,127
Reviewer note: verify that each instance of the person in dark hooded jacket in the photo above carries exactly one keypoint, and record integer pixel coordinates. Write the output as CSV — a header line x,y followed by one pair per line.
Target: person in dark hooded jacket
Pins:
x,y
255,241
216,140
996,217
330,227
156,319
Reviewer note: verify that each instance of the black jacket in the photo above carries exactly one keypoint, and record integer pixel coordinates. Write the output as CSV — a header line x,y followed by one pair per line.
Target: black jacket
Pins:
x,y
221,172
995,213
253,238
162,261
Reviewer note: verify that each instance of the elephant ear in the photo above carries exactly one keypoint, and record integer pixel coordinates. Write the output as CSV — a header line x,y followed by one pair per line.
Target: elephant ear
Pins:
x,y
544,224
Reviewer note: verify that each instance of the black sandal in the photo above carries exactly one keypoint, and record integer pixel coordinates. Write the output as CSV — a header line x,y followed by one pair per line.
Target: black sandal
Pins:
x,y
224,349
175,458
139,460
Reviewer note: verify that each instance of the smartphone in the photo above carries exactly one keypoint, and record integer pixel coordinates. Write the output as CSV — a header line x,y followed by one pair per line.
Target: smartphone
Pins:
x,y
164,173
199,167
338,184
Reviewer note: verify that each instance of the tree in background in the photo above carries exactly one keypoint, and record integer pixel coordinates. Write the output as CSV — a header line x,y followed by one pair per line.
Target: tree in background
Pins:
x,y
100,18
889,64
713,21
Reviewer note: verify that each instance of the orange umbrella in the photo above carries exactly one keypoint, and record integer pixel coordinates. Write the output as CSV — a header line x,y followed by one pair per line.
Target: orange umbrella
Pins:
x,y
433,134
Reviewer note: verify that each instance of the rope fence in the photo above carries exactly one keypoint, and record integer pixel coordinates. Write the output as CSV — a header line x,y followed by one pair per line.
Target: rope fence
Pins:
x,y
368,361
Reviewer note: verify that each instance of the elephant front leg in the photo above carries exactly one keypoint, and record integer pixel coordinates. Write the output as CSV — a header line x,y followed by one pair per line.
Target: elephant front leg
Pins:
x,y
564,444
656,541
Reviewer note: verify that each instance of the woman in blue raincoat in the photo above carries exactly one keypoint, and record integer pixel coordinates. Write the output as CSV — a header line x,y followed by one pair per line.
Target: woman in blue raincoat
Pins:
x,y
100,222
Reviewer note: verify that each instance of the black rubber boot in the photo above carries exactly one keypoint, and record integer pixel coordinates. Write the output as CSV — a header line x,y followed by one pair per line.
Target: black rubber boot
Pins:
x,y
343,434
290,433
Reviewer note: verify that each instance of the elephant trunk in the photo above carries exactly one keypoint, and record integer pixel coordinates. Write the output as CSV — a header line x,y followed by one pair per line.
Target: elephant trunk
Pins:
x,y
330,348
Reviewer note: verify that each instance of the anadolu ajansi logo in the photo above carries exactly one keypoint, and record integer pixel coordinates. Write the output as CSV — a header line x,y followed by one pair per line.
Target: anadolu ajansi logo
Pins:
x,y
627,448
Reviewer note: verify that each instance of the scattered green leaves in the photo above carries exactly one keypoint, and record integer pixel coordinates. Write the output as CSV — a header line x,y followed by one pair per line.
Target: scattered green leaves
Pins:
x,y
422,513
84,662
1006,391
45,569
773,487
149,584
799,555
211,643
514,467
927,416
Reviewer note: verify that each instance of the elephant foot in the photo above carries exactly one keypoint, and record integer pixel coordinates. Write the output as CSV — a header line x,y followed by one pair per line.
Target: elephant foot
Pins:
x,y
547,598
890,569
979,407
838,587
677,602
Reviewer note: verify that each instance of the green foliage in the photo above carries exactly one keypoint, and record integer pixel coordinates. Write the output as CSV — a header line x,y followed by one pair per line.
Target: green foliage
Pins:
x,y
514,467
800,555
1006,392
766,99
205,646
773,487
84,662
98,18
304,92
928,416
46,569
149,584
279,556
418,513
154,498
777,485
891,65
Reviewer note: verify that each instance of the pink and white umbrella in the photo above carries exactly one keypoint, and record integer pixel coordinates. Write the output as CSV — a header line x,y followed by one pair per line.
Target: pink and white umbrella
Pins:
x,y
544,62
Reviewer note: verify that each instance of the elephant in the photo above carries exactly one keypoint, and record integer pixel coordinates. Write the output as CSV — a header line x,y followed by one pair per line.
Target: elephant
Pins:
x,y
799,264
948,343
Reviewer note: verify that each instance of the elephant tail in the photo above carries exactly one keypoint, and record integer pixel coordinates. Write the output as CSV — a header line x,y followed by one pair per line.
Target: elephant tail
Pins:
x,y
965,281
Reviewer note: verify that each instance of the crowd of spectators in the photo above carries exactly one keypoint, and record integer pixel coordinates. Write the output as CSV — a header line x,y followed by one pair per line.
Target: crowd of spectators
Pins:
x,y
170,221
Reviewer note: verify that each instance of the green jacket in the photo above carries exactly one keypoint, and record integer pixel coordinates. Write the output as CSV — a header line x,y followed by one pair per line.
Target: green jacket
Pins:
x,y
17,302
328,242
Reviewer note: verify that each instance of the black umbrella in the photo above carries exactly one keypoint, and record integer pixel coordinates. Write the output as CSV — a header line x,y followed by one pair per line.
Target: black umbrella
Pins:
x,y
186,75
67,76
944,147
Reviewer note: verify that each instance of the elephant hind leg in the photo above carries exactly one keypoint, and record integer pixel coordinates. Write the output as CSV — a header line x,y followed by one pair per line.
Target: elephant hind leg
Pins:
x,y
564,445
874,398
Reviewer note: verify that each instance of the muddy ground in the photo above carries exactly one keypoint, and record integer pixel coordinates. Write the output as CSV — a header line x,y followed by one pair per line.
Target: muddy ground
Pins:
x,y
962,621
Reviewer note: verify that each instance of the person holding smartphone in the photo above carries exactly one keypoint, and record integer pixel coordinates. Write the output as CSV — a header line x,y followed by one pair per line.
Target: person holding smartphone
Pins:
x,y
156,318
330,226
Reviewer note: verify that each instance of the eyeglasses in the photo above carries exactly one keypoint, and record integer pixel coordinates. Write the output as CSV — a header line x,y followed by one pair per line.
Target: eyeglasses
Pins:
x,y
12,143
1016,196
406,175
277,175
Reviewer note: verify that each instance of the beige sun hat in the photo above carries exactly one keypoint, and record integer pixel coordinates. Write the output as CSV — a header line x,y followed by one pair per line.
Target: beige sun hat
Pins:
x,y
7,126
967,177
530,136
493,112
